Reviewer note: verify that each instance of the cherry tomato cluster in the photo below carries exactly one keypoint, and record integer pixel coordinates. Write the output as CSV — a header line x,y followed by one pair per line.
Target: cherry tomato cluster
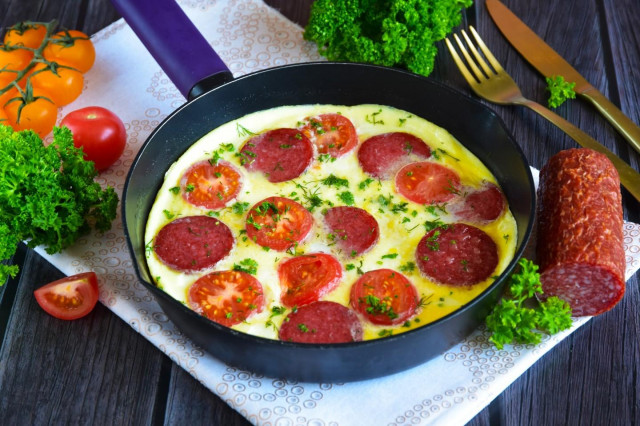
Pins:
x,y
40,71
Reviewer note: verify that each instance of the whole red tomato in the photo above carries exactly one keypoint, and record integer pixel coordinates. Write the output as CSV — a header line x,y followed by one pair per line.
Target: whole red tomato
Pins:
x,y
99,132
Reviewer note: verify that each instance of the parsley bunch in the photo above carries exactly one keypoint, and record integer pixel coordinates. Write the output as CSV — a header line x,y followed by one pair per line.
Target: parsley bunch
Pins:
x,y
47,194
512,321
384,32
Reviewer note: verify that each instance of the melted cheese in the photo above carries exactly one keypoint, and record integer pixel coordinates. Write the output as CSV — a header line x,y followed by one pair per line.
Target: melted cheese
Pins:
x,y
400,231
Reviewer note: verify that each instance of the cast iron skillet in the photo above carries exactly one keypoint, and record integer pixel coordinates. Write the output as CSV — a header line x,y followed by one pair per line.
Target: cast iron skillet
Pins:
x,y
474,125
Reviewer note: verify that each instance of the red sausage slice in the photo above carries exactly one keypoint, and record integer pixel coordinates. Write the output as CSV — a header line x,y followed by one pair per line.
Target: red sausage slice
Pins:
x,y
580,242
226,297
210,186
427,182
305,279
332,134
382,155
321,322
481,205
278,223
353,229
384,297
281,154
457,255
193,243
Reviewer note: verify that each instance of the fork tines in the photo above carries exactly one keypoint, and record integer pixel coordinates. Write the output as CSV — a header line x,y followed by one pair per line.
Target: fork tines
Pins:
x,y
477,75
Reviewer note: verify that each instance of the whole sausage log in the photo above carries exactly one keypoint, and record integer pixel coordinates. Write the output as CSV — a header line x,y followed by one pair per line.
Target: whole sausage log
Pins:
x,y
579,245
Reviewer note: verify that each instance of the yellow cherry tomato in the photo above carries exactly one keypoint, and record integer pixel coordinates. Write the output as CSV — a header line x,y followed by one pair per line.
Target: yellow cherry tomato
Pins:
x,y
62,86
26,34
72,48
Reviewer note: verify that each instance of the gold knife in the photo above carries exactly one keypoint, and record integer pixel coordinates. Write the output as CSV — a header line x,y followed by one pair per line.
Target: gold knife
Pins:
x,y
549,63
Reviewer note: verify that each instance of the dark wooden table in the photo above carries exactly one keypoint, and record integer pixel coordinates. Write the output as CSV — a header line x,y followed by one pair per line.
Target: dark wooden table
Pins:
x,y
98,370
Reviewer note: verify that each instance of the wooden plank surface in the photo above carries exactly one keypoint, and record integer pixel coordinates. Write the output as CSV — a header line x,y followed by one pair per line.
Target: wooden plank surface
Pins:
x,y
98,370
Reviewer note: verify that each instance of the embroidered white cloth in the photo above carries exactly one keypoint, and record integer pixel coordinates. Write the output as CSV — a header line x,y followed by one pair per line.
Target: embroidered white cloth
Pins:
x,y
451,389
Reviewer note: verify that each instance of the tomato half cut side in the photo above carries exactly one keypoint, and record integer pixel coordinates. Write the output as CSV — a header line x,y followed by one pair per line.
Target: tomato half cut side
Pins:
x,y
427,182
210,186
305,279
332,134
226,297
69,298
278,223
384,297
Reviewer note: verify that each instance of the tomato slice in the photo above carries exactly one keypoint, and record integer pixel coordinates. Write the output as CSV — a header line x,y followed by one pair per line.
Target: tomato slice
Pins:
x,y
305,279
384,297
278,223
332,134
71,297
226,297
427,183
210,186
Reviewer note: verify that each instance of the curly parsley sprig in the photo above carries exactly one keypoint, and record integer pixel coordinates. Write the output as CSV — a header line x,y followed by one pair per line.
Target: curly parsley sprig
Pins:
x,y
511,320
48,196
384,32
559,90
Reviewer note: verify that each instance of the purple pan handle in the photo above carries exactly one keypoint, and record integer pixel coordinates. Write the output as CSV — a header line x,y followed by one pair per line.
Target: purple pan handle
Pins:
x,y
176,44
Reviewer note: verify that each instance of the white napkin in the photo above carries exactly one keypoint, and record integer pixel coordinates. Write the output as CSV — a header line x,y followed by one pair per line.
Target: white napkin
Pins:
x,y
450,389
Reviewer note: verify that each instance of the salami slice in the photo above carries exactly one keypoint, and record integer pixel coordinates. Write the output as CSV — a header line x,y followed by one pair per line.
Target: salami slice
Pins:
x,y
482,205
457,255
383,155
321,322
193,243
579,239
352,229
281,154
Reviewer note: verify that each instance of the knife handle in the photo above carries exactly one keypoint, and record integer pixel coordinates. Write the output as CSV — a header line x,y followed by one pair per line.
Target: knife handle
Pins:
x,y
629,178
621,122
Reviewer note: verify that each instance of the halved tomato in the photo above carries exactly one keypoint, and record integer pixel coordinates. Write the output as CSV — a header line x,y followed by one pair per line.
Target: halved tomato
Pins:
x,y
226,297
332,134
70,297
278,223
426,182
305,279
384,297
210,186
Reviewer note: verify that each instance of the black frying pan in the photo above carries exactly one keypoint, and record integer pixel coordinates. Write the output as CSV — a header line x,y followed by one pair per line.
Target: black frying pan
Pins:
x,y
216,99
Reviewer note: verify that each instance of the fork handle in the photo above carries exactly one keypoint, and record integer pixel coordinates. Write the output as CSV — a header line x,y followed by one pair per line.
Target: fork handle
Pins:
x,y
629,178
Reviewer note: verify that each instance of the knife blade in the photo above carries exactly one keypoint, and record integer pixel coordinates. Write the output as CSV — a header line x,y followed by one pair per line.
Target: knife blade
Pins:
x,y
549,63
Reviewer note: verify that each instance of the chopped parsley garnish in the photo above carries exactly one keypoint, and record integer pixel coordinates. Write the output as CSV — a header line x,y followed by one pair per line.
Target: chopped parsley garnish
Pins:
x,y
249,266
379,306
168,214
326,158
239,208
408,267
175,190
365,183
333,180
243,131
347,198
311,197
374,119
390,256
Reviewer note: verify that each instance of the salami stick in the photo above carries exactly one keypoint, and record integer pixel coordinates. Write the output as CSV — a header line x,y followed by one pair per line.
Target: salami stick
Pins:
x,y
579,245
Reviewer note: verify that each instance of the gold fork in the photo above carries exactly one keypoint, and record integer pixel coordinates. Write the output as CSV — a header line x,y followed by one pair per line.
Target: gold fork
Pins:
x,y
495,85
